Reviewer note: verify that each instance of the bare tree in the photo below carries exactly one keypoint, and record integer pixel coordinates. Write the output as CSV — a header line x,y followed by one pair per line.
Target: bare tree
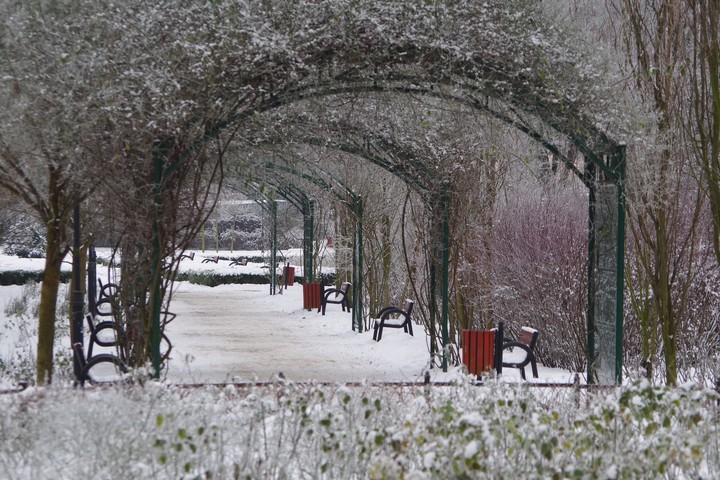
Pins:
x,y
664,221
46,137
702,117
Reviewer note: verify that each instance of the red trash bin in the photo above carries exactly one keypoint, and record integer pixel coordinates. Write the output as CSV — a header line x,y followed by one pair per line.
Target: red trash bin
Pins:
x,y
289,275
478,351
311,295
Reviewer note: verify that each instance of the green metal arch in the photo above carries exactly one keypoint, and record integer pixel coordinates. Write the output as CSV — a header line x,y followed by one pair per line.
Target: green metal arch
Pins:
x,y
531,82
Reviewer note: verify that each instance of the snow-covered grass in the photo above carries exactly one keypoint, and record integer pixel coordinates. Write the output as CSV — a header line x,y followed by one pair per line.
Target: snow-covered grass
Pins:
x,y
314,424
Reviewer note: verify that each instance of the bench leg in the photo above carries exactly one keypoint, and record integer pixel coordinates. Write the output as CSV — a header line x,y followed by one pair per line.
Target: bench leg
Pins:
x,y
377,333
533,364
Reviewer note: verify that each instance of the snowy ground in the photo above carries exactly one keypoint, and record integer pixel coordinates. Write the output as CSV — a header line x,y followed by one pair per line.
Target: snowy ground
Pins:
x,y
242,333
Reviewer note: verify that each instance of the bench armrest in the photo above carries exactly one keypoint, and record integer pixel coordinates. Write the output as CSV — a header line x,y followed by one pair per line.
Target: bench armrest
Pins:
x,y
329,291
387,311
528,357
513,344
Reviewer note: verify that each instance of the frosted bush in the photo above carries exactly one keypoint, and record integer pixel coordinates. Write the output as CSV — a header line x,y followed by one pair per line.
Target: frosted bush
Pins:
x,y
314,431
18,335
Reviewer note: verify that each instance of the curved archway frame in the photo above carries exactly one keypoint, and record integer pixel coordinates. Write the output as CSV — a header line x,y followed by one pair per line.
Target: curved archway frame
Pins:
x,y
351,200
403,66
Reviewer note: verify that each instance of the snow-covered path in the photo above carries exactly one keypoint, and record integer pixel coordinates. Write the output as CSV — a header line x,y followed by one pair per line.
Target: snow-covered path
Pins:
x,y
241,333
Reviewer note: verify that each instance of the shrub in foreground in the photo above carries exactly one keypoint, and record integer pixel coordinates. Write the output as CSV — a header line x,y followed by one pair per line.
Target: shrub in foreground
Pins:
x,y
288,430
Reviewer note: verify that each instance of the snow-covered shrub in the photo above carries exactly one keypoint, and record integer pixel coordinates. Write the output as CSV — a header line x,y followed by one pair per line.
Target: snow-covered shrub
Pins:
x,y
697,312
288,430
25,238
540,253
18,335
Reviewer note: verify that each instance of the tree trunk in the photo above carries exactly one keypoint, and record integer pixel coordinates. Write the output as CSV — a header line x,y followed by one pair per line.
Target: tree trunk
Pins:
x,y
48,303
663,300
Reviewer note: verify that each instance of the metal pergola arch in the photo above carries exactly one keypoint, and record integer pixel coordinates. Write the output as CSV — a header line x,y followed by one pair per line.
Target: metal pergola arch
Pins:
x,y
611,170
381,152
605,158
354,203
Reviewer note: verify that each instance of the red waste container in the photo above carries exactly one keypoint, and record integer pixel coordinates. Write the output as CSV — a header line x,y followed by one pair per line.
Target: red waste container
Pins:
x,y
478,351
311,295
289,276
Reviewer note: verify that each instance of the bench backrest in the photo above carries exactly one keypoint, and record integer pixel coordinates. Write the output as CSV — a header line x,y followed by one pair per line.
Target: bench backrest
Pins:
x,y
345,287
408,306
528,336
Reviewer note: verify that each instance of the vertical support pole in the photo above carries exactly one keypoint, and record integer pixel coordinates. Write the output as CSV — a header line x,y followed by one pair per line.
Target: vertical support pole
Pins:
x,y
433,309
308,237
155,288
590,173
445,205
232,236
607,268
217,231
92,280
273,247
618,164
357,294
77,301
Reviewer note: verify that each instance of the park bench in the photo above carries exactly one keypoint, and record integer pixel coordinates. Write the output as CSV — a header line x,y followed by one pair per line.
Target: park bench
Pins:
x,y
526,342
110,333
342,297
403,319
107,299
104,368
241,262
106,333
211,259
190,255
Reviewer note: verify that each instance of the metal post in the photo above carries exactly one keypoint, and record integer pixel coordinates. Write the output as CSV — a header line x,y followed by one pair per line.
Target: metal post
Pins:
x,y
92,280
619,167
77,301
606,280
273,248
308,236
357,293
155,290
590,173
445,205
433,308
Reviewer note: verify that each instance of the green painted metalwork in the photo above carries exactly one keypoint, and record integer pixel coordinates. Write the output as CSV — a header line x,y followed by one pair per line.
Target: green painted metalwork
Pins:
x,y
619,167
580,131
308,239
159,155
433,308
445,209
355,204
590,325
273,248
357,297
606,263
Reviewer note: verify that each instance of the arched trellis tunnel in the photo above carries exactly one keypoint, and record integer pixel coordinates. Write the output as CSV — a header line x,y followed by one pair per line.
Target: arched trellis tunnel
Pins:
x,y
394,159
504,58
